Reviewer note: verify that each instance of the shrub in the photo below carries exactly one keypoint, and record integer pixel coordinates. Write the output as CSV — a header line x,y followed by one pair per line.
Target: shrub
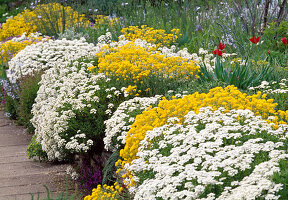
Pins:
x,y
273,35
17,25
9,97
211,155
28,92
34,150
144,70
48,19
120,122
70,110
43,55
11,47
229,98
151,35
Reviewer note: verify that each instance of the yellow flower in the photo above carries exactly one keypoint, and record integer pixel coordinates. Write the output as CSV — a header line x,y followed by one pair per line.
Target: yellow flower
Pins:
x,y
135,63
45,18
10,48
154,36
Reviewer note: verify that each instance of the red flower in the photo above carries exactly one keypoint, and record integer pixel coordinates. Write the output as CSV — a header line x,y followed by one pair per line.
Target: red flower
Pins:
x,y
285,40
218,52
254,39
221,46
269,53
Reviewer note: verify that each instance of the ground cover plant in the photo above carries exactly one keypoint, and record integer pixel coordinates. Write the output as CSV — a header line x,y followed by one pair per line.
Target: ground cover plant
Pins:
x,y
154,99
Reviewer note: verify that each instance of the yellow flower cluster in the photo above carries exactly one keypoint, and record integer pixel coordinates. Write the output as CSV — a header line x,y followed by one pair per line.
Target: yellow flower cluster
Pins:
x,y
10,48
51,17
154,36
229,98
134,63
131,89
18,25
102,19
57,18
105,193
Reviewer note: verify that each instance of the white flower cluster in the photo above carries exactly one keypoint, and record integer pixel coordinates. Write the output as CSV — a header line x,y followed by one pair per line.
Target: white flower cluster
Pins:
x,y
211,148
105,39
122,119
64,93
273,87
72,173
32,36
44,55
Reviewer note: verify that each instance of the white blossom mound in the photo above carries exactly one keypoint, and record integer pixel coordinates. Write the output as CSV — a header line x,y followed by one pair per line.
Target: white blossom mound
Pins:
x,y
211,150
122,119
44,55
67,92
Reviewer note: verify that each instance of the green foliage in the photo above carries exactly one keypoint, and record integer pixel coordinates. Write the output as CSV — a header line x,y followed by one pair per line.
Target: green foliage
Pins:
x,y
282,177
62,196
11,106
109,169
6,11
34,149
241,76
273,35
3,10
28,92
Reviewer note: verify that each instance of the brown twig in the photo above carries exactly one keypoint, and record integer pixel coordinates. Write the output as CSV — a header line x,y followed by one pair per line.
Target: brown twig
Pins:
x,y
267,3
281,11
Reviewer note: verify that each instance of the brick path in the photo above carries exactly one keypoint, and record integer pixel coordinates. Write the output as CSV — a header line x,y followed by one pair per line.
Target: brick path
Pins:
x,y
19,176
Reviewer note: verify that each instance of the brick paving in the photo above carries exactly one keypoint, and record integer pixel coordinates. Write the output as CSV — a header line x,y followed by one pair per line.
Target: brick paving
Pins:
x,y
19,176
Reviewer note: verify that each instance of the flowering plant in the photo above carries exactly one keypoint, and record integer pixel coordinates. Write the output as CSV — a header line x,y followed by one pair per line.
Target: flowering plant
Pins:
x,y
43,55
213,155
218,52
10,48
285,40
154,36
228,97
122,119
70,110
254,39
51,18
221,46
137,62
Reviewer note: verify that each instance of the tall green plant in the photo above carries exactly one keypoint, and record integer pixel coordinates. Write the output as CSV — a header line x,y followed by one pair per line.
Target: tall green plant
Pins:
x,y
240,76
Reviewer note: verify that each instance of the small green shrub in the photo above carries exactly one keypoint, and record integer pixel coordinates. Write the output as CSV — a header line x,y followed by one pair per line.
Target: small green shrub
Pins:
x,y
11,107
28,92
273,35
34,150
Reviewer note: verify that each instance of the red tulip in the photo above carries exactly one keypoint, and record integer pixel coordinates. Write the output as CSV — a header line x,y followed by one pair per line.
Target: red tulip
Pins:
x,y
218,52
269,53
221,46
285,40
254,39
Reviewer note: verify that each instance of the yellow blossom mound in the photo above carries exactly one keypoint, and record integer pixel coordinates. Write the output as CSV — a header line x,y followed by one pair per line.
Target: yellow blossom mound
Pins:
x,y
18,25
229,98
134,63
45,18
151,35
105,192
